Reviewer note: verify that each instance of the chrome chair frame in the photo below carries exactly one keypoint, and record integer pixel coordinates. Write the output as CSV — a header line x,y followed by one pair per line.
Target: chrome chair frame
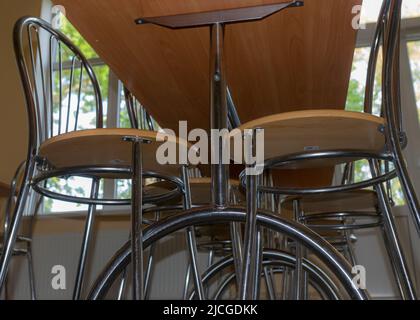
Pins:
x,y
207,215
140,118
218,212
387,32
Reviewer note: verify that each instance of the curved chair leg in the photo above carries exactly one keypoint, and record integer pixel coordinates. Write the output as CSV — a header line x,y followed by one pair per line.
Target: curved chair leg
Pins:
x,y
87,237
13,229
298,273
394,242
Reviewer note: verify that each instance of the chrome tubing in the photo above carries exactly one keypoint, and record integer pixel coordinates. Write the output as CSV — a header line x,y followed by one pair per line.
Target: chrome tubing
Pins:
x,y
91,172
250,261
373,56
191,240
218,116
391,104
87,238
137,219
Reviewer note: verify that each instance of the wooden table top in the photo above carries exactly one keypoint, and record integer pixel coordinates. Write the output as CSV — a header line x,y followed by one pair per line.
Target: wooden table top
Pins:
x,y
299,58
296,59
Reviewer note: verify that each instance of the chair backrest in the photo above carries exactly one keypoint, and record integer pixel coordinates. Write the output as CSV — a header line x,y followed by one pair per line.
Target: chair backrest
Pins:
x,y
58,82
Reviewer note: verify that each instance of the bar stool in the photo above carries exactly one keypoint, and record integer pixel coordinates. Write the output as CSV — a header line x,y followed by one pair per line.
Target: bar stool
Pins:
x,y
324,137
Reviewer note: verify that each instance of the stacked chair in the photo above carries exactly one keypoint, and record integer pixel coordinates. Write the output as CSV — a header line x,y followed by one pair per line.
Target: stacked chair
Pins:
x,y
317,138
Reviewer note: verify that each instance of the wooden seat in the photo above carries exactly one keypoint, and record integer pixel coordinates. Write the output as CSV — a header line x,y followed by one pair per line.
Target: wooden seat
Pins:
x,y
318,130
106,148
356,200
